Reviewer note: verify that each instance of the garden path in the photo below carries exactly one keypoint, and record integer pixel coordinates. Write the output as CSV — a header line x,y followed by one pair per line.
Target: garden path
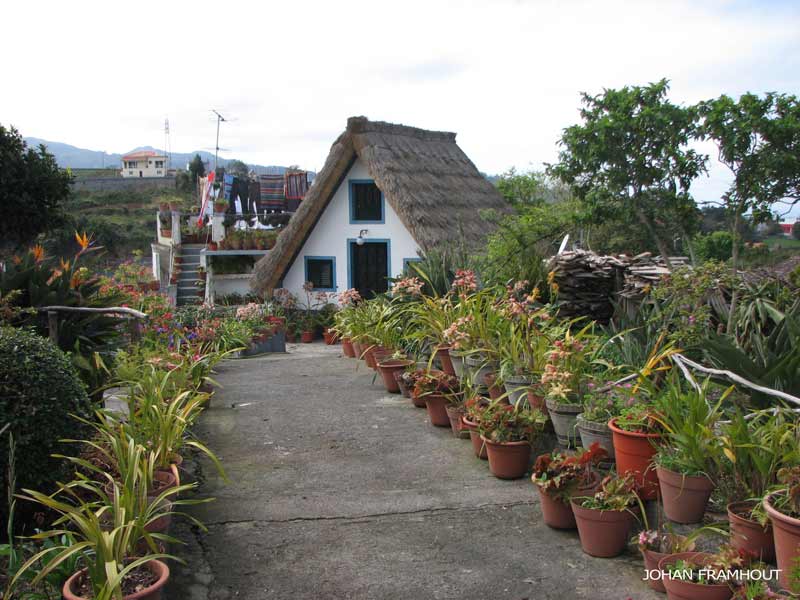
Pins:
x,y
340,491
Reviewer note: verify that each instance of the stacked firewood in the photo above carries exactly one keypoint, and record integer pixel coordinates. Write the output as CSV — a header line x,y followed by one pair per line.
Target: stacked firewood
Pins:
x,y
588,283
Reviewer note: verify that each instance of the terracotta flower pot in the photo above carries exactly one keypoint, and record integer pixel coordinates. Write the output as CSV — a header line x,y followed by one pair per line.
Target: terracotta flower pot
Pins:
x,y
398,377
369,356
685,497
508,460
651,559
564,416
358,350
437,410
749,535
558,514
329,337
477,443
454,413
681,589
418,401
388,368
634,454
786,533
212,245
290,337
306,337
153,592
347,348
495,391
443,355
380,354
603,533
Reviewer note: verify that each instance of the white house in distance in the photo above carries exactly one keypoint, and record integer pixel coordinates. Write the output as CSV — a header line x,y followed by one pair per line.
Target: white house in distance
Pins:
x,y
386,193
144,163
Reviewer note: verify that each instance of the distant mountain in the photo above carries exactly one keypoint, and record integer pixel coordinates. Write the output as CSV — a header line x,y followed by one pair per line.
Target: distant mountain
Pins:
x,y
80,158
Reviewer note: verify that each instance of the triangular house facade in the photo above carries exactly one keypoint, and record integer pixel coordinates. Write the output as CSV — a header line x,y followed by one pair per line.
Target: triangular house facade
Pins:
x,y
386,193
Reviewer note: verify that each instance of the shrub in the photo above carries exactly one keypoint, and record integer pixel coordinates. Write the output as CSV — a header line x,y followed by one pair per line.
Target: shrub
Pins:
x,y
717,245
39,390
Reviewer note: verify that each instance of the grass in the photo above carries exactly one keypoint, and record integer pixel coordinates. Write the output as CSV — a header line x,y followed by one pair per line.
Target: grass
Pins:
x,y
782,242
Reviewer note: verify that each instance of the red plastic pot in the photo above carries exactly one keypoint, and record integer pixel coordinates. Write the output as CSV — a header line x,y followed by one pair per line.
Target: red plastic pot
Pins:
x,y
329,337
358,350
651,560
749,535
388,368
786,533
347,348
306,337
684,496
153,592
558,514
634,454
681,589
508,460
477,443
437,410
380,354
443,354
603,533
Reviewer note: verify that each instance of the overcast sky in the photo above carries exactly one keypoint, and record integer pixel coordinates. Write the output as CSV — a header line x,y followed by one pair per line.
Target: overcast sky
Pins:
x,y
504,75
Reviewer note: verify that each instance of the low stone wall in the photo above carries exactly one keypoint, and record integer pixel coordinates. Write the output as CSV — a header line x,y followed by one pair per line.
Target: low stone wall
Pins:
x,y
103,184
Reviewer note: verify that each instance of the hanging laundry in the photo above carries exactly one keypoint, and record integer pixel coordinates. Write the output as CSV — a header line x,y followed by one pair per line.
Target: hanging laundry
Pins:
x,y
273,198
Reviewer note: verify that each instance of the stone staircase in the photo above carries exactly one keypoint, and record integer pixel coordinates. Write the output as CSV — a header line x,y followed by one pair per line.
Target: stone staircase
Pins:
x,y
188,277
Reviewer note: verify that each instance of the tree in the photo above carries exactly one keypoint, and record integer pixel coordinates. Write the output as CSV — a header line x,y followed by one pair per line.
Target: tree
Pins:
x,y
630,158
32,189
237,168
197,168
758,140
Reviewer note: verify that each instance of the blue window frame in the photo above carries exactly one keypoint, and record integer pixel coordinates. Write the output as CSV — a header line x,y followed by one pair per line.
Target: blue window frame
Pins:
x,y
410,260
321,271
367,205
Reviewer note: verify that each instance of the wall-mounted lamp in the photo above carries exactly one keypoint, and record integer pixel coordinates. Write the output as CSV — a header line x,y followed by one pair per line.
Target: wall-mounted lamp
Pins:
x,y
361,235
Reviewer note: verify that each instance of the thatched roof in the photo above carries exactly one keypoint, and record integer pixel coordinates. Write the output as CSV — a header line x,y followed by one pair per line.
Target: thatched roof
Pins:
x,y
425,177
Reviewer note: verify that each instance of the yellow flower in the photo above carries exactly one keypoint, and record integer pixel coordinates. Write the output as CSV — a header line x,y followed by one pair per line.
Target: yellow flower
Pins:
x,y
83,240
38,253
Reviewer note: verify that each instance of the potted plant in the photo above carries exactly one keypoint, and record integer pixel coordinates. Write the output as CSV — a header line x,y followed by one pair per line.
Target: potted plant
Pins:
x,y
234,239
248,243
211,245
508,432
565,380
655,544
559,478
604,519
473,413
436,387
259,240
754,449
165,223
410,378
636,433
700,575
163,206
783,509
524,350
391,365
600,405
220,206
686,458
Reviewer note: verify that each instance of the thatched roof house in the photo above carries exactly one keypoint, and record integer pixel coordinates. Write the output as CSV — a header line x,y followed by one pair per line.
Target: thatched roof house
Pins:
x,y
385,193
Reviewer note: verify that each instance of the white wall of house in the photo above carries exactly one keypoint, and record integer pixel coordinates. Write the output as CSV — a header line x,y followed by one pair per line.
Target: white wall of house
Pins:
x,y
333,230
144,166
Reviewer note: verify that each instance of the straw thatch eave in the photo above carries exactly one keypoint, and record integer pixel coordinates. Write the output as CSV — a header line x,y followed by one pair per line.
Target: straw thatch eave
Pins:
x,y
436,191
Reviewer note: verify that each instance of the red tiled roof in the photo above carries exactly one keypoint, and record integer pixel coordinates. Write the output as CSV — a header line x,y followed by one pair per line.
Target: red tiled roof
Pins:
x,y
140,154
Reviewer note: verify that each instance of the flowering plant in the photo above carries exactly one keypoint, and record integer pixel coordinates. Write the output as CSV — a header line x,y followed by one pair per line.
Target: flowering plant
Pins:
x,y
349,297
509,423
457,334
559,475
407,286
474,408
249,312
639,418
567,366
603,403
438,383
464,283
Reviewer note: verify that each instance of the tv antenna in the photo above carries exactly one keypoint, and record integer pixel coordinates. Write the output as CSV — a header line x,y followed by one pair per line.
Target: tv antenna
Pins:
x,y
220,119
167,148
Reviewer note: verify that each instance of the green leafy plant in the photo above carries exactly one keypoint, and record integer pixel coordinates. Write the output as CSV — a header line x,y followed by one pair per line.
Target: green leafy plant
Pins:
x,y
508,423
616,493
560,476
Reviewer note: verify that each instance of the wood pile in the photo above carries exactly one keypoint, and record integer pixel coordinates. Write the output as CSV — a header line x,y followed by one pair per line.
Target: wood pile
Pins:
x,y
588,283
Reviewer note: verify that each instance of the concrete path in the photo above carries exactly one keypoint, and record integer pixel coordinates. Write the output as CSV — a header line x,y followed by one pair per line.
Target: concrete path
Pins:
x,y
340,491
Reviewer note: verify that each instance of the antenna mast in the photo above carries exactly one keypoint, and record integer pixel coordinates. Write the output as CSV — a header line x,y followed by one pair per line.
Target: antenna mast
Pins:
x,y
220,119
167,148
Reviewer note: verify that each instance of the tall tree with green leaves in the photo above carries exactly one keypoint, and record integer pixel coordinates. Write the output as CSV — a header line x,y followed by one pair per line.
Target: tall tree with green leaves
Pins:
x,y
237,168
197,168
630,158
758,140
32,189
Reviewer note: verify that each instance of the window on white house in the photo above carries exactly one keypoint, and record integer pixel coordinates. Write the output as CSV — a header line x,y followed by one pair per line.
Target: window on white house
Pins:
x,y
159,164
366,202
321,272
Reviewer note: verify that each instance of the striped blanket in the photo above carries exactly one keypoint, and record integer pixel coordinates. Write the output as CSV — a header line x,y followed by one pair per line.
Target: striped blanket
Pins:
x,y
272,193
